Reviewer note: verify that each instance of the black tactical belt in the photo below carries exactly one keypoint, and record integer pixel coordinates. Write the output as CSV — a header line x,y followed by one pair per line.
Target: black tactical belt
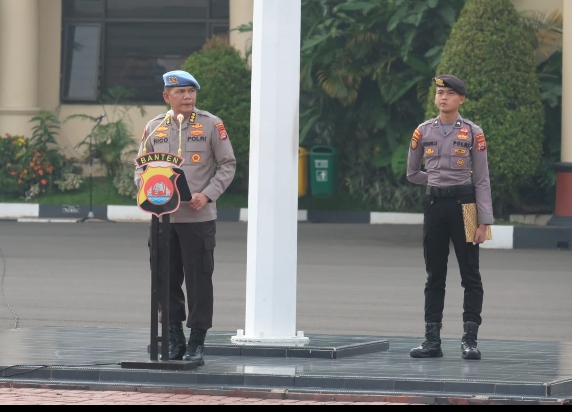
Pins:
x,y
451,191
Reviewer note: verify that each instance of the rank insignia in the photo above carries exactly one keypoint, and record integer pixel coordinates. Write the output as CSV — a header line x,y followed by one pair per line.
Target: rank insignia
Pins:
x,y
197,126
462,137
197,133
193,118
222,131
196,158
417,134
430,152
464,131
460,163
161,135
460,152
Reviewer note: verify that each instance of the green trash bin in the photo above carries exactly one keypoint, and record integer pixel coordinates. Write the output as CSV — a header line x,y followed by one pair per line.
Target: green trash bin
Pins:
x,y
323,170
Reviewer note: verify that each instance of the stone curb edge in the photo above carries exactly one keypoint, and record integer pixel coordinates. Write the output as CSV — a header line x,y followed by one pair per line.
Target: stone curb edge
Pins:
x,y
505,237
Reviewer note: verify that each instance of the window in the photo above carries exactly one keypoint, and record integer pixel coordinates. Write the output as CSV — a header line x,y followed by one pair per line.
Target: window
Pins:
x,y
132,43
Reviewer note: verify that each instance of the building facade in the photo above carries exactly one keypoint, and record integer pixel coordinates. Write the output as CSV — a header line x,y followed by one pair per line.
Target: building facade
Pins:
x,y
64,55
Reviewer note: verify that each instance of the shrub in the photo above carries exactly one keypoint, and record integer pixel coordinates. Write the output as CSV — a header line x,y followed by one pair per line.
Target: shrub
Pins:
x,y
26,171
124,183
490,50
225,79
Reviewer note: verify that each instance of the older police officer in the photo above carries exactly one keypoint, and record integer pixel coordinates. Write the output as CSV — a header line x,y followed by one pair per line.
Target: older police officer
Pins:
x,y
204,144
455,154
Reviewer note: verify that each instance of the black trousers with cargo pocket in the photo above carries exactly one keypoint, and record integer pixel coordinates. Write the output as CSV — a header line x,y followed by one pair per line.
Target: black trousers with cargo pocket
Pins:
x,y
443,224
191,262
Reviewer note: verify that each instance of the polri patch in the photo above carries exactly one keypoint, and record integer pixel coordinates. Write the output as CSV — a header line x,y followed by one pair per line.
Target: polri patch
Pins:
x,y
222,131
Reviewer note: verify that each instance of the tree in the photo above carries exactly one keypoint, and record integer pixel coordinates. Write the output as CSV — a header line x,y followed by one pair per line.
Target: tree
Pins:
x,y
366,67
489,48
225,80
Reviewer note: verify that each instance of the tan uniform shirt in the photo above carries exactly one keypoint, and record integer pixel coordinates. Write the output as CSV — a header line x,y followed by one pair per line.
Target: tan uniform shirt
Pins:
x,y
450,158
205,145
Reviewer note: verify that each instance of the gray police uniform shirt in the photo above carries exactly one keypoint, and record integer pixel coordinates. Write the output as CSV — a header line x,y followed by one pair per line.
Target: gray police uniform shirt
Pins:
x,y
449,160
205,144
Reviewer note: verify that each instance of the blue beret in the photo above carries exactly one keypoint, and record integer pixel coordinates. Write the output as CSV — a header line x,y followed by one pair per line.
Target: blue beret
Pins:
x,y
180,78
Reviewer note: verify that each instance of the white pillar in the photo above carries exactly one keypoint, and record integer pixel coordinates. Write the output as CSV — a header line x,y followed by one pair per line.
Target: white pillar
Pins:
x,y
273,198
19,65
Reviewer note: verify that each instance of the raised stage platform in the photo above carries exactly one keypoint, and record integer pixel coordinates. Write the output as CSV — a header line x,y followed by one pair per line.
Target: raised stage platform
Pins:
x,y
511,371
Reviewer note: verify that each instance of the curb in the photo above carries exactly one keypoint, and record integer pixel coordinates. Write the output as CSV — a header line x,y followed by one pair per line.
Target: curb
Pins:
x,y
505,237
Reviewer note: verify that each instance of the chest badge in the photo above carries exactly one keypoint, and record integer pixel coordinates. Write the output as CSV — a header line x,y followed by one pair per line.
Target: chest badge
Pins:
x,y
460,152
196,158
163,129
197,126
197,133
462,137
465,131
460,163
161,135
430,152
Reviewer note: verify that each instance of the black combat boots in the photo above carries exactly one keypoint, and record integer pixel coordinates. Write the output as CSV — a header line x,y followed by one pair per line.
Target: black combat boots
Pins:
x,y
196,347
177,342
469,342
431,348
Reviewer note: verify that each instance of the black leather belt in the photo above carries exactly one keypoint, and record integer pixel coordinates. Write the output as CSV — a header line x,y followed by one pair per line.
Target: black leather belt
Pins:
x,y
451,191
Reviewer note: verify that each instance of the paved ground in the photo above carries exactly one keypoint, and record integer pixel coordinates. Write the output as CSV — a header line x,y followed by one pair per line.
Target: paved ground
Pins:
x,y
353,279
25,396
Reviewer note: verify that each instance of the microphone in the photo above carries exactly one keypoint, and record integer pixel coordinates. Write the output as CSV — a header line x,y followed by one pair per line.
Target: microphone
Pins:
x,y
180,118
100,118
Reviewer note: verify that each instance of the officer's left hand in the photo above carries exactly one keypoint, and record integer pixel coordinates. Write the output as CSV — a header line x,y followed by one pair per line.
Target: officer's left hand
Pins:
x,y
480,235
199,201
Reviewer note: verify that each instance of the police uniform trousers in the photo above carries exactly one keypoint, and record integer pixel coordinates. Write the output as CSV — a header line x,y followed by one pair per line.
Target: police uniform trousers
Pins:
x,y
191,262
443,224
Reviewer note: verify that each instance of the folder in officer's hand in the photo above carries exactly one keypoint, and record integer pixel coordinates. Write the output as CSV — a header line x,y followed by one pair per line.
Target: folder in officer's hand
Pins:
x,y
471,223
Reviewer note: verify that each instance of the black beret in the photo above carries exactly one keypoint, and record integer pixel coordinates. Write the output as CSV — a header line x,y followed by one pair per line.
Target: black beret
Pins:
x,y
447,80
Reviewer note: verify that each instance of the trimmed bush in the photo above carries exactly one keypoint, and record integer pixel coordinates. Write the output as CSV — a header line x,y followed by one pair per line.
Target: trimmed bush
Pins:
x,y
225,79
489,49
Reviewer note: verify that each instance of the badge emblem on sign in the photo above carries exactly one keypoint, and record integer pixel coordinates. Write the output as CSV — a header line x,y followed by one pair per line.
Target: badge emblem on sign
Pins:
x,y
159,194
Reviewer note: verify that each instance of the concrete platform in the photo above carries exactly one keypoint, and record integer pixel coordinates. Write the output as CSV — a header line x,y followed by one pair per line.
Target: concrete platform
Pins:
x,y
511,371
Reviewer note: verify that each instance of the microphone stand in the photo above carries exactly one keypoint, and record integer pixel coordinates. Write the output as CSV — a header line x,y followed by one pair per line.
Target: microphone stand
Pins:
x,y
91,215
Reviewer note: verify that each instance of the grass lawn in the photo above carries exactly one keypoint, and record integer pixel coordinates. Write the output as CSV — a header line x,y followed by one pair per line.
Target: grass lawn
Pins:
x,y
104,193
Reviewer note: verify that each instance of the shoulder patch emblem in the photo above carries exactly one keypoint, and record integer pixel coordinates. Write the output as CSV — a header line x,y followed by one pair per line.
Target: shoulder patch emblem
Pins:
x,y
222,131
482,146
480,137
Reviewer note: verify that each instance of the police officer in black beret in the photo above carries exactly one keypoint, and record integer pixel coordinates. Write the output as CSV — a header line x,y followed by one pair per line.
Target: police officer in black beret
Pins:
x,y
454,151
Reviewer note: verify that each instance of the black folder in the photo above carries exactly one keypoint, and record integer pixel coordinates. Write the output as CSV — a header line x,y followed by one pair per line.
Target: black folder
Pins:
x,y
183,186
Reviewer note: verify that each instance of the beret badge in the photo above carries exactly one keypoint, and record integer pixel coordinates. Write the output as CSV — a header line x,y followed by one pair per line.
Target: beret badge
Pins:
x,y
439,82
173,80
